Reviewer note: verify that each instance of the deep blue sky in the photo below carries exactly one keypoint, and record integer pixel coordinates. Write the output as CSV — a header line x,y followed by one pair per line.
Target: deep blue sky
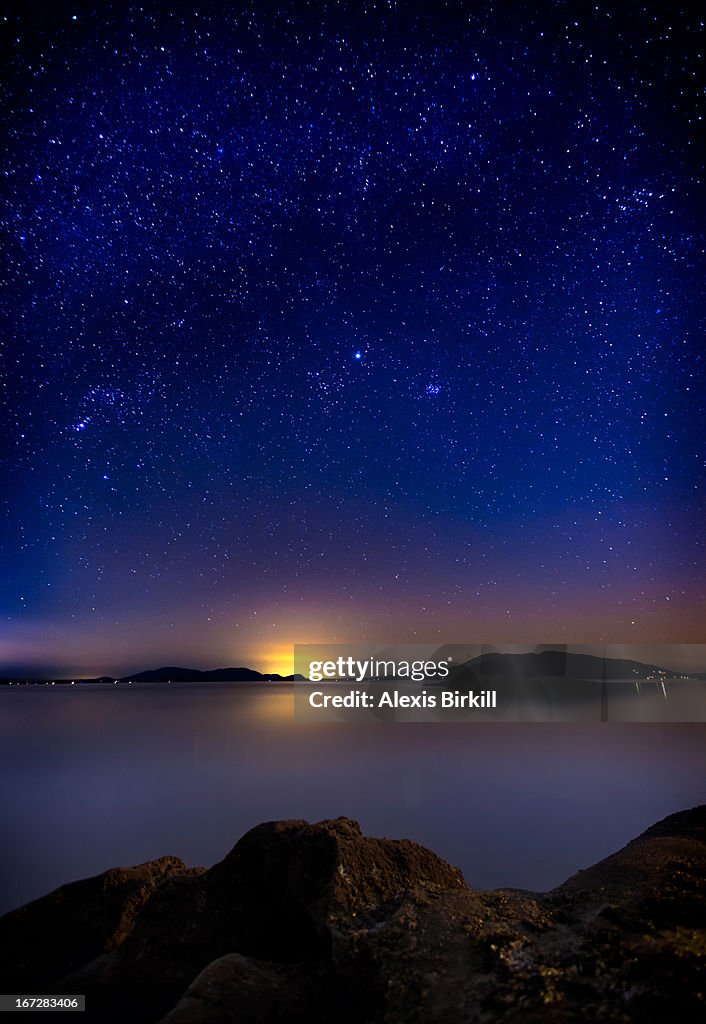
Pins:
x,y
330,321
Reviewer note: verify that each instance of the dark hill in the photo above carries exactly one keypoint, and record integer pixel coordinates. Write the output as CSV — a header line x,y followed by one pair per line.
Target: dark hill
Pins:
x,y
529,666
176,674
565,663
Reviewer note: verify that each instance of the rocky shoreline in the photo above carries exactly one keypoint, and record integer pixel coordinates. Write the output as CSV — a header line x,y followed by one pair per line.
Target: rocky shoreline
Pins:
x,y
319,923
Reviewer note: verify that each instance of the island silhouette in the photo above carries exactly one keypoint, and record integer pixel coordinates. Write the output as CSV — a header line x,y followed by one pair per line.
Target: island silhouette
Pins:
x,y
545,664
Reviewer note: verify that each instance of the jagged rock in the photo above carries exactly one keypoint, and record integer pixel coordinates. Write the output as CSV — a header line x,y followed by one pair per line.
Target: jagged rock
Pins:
x,y
316,923
657,880
315,879
283,894
49,937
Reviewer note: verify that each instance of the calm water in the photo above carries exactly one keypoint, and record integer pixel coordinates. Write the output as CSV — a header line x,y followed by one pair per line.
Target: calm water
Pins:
x,y
93,778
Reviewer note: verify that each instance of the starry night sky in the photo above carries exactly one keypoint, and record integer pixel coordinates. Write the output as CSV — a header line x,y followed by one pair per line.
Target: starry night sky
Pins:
x,y
330,321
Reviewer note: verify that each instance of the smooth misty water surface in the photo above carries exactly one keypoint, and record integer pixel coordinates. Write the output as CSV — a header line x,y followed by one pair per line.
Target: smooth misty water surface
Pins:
x,y
116,775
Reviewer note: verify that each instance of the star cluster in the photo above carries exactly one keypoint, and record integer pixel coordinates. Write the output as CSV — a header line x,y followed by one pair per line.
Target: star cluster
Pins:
x,y
335,320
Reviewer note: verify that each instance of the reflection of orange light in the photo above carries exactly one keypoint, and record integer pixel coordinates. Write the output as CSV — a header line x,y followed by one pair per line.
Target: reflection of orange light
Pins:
x,y
278,706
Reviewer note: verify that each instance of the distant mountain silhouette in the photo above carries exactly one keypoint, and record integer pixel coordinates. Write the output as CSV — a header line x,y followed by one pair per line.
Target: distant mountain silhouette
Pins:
x,y
176,674
529,666
569,665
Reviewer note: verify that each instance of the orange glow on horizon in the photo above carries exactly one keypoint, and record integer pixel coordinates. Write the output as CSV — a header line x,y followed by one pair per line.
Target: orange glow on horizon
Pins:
x,y
276,657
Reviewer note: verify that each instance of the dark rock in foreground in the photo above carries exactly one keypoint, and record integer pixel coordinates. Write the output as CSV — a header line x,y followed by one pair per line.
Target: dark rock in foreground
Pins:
x,y
318,923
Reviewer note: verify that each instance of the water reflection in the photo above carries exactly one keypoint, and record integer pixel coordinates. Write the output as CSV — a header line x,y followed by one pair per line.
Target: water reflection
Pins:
x,y
116,775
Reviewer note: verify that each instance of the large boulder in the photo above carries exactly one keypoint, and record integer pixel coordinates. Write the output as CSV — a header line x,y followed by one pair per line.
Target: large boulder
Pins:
x,y
288,892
